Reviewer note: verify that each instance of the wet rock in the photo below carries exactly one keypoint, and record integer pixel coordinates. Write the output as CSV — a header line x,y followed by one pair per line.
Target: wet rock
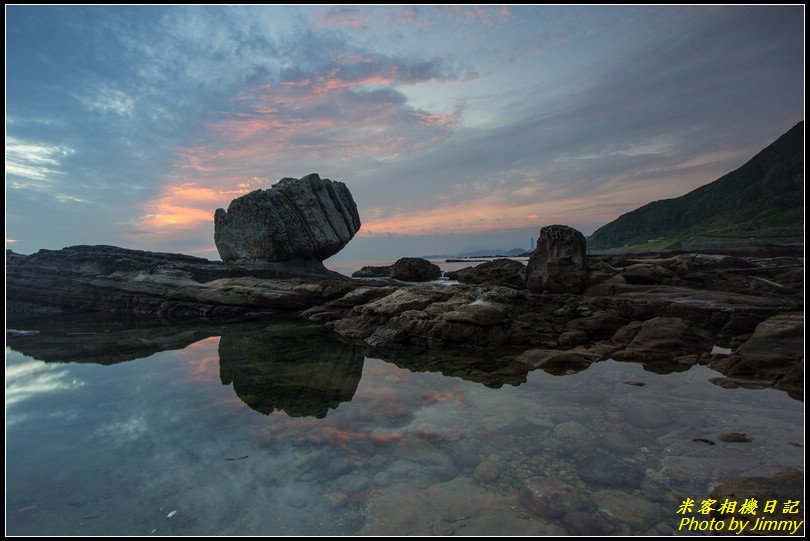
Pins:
x,y
645,273
597,325
693,469
606,471
307,218
457,507
505,272
558,264
636,512
482,313
618,442
735,437
775,352
643,414
574,432
586,524
782,488
625,334
665,338
552,498
363,320
489,469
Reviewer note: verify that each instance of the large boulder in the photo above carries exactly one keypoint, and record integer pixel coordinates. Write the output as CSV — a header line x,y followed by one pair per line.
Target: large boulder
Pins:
x,y
558,264
307,218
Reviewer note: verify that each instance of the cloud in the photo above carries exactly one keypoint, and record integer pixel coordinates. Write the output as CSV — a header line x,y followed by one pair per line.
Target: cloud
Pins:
x,y
341,17
346,111
410,16
157,116
33,165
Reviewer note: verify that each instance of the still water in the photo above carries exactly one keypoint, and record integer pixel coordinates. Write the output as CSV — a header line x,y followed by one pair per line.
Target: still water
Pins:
x,y
278,428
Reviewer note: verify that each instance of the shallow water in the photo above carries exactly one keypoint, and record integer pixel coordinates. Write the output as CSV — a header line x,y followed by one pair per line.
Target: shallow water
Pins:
x,y
279,428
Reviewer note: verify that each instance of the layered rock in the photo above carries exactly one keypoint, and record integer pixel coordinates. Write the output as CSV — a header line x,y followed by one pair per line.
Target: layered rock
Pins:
x,y
111,279
307,218
775,353
406,269
558,264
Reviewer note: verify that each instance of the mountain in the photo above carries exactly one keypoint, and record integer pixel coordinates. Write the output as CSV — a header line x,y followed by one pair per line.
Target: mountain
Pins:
x,y
763,198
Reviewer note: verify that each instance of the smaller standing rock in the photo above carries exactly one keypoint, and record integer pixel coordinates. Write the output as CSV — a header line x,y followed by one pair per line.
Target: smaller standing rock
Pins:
x,y
558,264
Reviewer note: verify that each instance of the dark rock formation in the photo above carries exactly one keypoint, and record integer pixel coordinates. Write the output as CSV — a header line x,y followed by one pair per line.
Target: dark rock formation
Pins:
x,y
407,269
310,218
111,279
502,272
558,264
775,352
414,269
664,339
371,271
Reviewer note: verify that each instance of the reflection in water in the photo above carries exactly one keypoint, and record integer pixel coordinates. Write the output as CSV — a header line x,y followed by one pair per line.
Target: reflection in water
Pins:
x,y
296,368
99,450
103,338
492,372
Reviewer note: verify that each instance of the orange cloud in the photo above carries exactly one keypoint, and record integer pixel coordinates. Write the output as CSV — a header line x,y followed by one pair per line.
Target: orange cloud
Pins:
x,y
347,112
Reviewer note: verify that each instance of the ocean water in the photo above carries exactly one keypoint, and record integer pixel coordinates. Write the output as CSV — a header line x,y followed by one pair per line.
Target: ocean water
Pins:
x,y
278,428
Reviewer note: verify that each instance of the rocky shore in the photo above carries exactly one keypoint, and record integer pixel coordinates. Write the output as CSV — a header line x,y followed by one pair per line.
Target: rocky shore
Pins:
x,y
741,313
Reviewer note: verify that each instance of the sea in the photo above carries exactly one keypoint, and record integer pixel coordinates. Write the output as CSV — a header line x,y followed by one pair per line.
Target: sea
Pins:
x,y
279,427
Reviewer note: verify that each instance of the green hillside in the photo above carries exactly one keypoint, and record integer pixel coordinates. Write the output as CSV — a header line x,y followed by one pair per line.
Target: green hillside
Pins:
x,y
763,198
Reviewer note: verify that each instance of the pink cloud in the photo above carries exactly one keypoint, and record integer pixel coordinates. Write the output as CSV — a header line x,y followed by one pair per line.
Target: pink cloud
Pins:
x,y
345,113
412,16
340,17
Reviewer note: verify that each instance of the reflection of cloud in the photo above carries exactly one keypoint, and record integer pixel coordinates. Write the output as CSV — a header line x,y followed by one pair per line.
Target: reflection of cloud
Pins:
x,y
33,379
125,430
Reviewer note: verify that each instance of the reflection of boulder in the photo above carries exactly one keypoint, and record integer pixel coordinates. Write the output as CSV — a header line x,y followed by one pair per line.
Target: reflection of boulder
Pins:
x,y
297,368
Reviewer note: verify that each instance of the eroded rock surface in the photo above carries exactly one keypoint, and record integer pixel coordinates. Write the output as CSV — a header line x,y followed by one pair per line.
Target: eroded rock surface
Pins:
x,y
558,264
307,218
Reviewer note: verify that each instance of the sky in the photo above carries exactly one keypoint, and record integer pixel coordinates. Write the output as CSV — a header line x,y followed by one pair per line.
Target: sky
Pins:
x,y
455,128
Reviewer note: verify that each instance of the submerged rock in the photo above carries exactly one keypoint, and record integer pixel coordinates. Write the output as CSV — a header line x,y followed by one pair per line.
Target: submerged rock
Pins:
x,y
784,487
558,264
307,218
